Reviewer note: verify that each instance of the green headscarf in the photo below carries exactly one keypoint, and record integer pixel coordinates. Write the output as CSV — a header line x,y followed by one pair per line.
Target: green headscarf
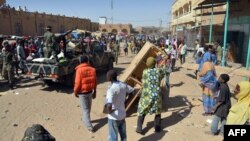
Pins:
x,y
150,62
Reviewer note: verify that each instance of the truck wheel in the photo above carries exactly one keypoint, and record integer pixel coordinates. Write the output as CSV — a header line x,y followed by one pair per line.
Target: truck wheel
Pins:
x,y
111,64
48,82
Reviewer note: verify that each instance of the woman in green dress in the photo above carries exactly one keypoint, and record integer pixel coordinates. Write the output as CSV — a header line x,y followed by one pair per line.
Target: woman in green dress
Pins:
x,y
151,99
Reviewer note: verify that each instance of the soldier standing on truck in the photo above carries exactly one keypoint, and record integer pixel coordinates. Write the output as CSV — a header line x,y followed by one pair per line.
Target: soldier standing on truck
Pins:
x,y
8,62
49,43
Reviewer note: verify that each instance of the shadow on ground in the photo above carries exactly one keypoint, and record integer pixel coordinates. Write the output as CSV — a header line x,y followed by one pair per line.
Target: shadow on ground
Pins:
x,y
124,62
58,87
191,75
62,88
177,69
177,84
100,123
180,108
27,82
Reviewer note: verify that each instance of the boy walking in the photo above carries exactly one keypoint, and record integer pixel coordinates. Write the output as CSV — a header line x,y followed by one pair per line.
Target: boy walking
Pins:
x,y
223,104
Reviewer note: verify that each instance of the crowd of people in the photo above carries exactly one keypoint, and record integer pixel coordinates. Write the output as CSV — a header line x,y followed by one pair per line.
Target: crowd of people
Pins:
x,y
15,52
215,90
216,94
21,49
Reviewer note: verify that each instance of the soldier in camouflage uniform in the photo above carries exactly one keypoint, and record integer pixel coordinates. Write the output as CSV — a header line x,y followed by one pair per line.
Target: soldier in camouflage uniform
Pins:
x,y
116,50
8,63
49,43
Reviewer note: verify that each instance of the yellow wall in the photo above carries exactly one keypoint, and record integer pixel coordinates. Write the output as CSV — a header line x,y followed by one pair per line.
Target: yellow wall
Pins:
x,y
183,14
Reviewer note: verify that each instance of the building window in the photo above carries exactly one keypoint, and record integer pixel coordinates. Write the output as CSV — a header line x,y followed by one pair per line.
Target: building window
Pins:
x,y
180,11
18,28
176,14
187,9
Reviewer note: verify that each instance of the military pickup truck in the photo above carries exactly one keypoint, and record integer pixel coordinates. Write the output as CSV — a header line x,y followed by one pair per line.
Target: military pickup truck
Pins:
x,y
64,72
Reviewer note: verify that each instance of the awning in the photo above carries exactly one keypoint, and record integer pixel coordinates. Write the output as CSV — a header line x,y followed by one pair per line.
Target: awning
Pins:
x,y
205,2
208,6
208,14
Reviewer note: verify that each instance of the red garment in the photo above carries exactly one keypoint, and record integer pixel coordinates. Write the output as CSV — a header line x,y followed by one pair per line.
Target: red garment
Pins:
x,y
85,80
32,48
27,51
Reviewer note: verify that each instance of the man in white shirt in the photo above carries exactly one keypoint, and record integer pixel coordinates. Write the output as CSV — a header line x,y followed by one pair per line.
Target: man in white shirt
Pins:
x,y
200,49
167,42
115,103
197,46
21,54
183,49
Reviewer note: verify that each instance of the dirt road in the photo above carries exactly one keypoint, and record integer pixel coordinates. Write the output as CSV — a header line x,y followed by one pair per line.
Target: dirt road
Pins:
x,y
59,111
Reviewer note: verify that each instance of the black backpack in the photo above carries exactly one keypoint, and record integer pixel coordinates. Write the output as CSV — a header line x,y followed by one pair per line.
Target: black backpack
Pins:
x,y
37,133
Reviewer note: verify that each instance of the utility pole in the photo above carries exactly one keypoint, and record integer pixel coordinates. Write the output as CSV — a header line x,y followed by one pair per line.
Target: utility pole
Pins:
x,y
211,22
160,25
112,9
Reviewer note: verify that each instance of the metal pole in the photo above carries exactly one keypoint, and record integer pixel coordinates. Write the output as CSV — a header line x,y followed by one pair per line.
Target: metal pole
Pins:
x,y
177,28
223,62
112,18
248,52
211,22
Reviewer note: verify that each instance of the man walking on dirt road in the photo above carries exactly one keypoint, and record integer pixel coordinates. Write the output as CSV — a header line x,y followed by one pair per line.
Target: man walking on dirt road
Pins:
x,y
85,88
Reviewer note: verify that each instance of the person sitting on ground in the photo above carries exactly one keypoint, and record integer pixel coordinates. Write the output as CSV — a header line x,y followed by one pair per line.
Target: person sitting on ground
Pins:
x,y
223,104
239,114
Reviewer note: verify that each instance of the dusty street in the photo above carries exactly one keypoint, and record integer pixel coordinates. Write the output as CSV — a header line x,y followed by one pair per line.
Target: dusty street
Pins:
x,y
60,113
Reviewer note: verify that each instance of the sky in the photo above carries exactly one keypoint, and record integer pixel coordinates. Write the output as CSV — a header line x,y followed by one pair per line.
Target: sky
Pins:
x,y
135,12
